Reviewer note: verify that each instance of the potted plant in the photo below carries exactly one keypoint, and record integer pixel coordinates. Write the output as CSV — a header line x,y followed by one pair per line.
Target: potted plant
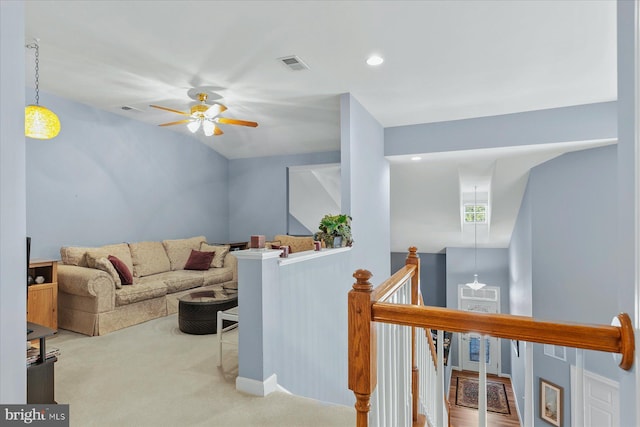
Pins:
x,y
334,230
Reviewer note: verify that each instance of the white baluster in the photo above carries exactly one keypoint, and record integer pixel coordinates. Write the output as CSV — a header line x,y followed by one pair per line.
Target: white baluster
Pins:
x,y
482,384
579,415
440,383
528,385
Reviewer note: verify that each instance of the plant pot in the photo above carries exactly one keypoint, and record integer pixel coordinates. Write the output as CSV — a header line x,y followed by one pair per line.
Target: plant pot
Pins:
x,y
337,241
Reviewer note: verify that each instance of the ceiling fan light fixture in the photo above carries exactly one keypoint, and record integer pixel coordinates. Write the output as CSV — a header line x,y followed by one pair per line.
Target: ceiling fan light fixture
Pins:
x,y
213,111
208,127
193,126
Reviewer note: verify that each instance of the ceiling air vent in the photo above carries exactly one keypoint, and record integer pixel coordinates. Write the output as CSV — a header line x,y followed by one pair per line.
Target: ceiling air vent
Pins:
x,y
293,63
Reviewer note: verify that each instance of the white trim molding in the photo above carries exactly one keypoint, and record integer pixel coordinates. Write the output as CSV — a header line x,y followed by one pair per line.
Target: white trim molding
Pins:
x,y
258,388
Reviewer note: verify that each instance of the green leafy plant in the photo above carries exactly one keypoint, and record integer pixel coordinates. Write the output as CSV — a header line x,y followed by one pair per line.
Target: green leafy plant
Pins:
x,y
332,226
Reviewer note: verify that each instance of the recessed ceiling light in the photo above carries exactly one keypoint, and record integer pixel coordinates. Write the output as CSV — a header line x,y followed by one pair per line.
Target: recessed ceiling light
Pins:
x,y
416,158
374,60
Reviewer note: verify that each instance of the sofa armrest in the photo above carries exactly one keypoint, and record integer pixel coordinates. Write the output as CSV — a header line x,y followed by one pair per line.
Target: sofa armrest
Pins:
x,y
231,261
88,282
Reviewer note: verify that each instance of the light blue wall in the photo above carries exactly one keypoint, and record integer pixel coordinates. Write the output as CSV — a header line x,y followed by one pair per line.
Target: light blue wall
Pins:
x,y
108,179
433,276
13,380
520,291
493,269
627,232
578,123
573,228
365,188
258,193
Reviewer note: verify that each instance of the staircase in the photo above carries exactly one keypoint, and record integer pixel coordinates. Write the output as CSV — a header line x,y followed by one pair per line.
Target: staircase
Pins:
x,y
397,373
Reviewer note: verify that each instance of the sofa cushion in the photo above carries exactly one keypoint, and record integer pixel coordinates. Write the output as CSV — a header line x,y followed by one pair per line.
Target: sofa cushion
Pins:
x,y
176,280
105,265
179,250
74,255
221,252
140,292
199,260
214,276
123,271
149,258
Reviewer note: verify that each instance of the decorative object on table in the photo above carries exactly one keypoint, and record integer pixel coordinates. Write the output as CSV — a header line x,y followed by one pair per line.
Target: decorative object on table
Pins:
x,y
257,242
317,245
285,251
551,398
40,280
335,230
39,121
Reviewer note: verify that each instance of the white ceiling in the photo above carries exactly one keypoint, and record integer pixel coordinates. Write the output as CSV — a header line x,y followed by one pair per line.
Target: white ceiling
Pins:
x,y
444,60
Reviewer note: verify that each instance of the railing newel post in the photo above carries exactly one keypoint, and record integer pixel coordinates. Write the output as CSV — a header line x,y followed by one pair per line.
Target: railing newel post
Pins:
x,y
414,259
363,373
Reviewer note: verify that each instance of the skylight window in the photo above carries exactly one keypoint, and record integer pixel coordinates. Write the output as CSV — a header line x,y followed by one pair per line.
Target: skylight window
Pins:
x,y
475,213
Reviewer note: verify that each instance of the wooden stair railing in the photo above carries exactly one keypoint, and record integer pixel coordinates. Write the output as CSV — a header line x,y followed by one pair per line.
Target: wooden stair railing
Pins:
x,y
366,306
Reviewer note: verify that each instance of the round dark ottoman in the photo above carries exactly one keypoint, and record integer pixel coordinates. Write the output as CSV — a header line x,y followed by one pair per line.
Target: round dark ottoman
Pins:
x,y
198,311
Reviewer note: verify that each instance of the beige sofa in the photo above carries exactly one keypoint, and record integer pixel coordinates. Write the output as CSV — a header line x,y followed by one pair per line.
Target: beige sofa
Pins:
x,y
93,301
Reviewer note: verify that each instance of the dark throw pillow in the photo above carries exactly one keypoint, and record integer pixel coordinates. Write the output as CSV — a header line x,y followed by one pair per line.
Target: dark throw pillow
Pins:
x,y
123,271
199,260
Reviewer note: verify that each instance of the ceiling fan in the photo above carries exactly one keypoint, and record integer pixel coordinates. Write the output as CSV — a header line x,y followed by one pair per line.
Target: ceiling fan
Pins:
x,y
205,115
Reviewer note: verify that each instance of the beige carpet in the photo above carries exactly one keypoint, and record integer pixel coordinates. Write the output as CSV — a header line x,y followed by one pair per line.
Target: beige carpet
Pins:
x,y
154,375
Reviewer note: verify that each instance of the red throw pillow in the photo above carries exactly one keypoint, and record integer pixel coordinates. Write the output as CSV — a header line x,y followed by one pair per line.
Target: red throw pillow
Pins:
x,y
123,271
199,260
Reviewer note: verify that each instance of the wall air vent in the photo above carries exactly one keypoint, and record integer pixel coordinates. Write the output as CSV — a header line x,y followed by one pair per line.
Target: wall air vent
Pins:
x,y
293,63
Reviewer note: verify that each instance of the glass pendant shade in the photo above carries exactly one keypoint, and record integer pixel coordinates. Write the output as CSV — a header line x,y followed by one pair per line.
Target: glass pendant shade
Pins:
x,y
40,122
194,126
475,285
208,127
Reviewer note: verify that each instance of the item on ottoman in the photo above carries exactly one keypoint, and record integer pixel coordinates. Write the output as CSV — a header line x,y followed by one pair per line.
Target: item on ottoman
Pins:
x,y
198,311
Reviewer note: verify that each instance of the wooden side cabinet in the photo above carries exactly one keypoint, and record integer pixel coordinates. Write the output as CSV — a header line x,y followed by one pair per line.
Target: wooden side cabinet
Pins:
x,y
42,299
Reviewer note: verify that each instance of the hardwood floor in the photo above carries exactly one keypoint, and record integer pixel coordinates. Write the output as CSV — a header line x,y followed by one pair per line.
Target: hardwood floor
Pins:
x,y
468,417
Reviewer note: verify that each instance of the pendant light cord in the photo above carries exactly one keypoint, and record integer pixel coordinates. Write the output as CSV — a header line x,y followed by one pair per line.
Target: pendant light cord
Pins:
x,y
37,48
475,227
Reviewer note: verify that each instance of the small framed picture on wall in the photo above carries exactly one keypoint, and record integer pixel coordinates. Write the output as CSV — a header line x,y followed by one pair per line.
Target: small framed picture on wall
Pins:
x,y
551,409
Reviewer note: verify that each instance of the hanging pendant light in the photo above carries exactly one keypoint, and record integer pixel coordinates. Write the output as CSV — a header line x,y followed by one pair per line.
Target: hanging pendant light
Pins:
x,y
475,285
39,121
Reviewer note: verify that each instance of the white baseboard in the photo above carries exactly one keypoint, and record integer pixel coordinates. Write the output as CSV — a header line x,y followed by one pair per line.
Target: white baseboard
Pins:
x,y
258,388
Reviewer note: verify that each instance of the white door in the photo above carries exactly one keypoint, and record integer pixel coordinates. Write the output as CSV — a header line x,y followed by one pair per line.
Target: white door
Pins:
x,y
485,300
601,400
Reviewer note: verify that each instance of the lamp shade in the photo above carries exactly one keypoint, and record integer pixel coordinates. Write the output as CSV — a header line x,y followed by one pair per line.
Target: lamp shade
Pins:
x,y
40,122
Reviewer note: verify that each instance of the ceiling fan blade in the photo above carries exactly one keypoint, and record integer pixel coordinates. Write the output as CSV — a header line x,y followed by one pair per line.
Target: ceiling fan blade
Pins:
x,y
214,110
217,131
170,109
227,121
179,122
